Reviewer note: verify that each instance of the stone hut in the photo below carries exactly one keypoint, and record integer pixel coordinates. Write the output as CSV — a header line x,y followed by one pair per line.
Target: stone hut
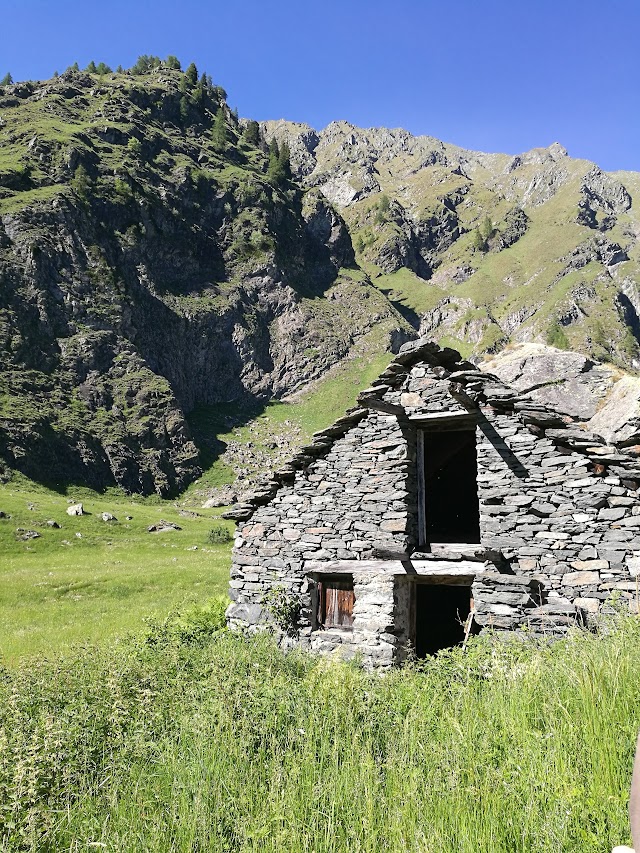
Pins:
x,y
445,503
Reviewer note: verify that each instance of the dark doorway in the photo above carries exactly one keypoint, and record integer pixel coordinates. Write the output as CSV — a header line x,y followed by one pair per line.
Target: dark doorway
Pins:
x,y
441,615
450,487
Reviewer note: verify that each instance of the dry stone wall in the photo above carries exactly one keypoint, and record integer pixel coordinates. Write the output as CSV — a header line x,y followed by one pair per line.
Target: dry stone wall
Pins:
x,y
347,505
559,513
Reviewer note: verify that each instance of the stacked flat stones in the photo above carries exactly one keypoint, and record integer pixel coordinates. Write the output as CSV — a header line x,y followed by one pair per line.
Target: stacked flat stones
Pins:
x,y
559,509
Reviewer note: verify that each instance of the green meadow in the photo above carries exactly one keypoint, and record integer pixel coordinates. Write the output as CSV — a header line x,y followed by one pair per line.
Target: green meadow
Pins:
x,y
90,581
131,719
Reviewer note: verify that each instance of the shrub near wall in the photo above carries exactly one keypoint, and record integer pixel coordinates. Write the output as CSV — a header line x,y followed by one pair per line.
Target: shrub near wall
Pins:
x,y
201,740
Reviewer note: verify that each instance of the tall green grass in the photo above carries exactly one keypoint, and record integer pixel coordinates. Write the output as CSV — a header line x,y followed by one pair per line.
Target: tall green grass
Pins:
x,y
194,739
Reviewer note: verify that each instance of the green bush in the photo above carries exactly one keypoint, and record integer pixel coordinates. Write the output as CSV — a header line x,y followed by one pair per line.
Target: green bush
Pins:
x,y
193,625
134,146
556,336
219,534
123,189
382,209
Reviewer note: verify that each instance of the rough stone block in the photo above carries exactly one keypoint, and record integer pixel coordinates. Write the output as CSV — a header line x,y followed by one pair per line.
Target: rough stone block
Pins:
x,y
612,513
581,578
633,564
590,605
590,565
394,525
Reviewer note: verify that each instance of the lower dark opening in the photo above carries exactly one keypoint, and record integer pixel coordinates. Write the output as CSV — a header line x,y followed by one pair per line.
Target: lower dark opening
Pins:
x,y
451,489
441,614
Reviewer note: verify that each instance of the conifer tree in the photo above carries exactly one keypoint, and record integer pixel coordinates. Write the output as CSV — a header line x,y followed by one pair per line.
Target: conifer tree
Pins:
x,y
184,109
219,132
103,68
274,157
284,163
173,62
7,80
146,63
91,67
75,67
81,183
198,94
191,74
279,166
119,70
252,133
486,229
477,242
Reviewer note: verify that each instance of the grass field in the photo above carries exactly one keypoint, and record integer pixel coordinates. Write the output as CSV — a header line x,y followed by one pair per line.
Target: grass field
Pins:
x,y
90,580
132,720
191,741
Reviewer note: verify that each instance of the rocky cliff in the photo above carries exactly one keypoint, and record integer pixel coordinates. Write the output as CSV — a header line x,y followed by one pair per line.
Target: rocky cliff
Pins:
x,y
158,254
480,250
152,258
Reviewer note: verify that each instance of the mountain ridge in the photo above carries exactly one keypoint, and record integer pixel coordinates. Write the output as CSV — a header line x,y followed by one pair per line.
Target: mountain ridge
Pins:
x,y
158,255
438,197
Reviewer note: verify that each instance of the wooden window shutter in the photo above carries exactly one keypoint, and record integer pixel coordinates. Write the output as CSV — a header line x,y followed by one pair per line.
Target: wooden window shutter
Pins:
x,y
335,603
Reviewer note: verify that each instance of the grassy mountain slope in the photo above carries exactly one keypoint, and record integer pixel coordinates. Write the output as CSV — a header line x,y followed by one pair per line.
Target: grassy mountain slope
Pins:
x,y
483,249
153,259
163,275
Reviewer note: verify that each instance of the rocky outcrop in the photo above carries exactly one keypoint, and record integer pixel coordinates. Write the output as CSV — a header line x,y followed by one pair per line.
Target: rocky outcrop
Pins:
x,y
451,209
600,396
145,272
602,200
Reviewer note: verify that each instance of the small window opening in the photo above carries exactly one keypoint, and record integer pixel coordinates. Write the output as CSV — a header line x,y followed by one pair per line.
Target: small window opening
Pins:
x,y
443,617
335,602
451,511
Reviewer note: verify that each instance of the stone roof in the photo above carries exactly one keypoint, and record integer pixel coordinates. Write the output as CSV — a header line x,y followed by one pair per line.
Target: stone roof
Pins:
x,y
471,387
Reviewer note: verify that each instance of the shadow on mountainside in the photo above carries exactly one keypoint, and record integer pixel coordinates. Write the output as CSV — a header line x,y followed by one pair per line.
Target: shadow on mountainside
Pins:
x,y
208,421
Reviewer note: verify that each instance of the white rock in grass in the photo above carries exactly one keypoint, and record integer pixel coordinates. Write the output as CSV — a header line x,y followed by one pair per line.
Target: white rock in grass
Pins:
x,y
75,509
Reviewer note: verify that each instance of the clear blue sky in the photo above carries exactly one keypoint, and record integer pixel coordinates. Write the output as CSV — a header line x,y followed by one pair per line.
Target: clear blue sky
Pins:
x,y
494,75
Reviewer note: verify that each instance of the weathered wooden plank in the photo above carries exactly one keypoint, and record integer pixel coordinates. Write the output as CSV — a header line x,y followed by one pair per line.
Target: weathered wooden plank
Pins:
x,y
424,568
422,514
336,604
443,418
